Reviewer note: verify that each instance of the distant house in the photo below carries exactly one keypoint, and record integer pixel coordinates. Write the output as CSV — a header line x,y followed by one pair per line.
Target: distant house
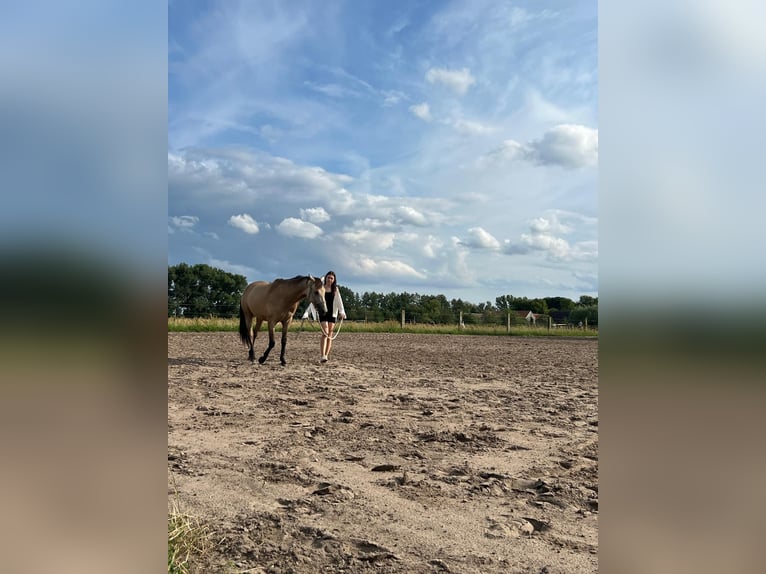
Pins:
x,y
528,316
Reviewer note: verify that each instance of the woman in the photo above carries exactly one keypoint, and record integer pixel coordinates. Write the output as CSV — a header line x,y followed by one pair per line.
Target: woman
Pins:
x,y
334,310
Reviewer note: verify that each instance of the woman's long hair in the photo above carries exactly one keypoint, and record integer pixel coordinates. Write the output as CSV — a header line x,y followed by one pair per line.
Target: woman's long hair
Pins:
x,y
334,283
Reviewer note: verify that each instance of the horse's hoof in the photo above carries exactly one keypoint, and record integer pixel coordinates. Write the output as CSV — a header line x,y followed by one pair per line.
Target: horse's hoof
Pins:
x,y
261,360
283,363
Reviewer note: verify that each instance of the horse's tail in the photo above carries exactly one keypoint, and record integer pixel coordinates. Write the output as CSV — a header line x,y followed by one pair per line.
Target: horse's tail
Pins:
x,y
244,332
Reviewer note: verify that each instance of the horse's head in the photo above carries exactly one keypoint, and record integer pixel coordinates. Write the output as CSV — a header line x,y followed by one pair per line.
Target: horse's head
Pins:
x,y
316,294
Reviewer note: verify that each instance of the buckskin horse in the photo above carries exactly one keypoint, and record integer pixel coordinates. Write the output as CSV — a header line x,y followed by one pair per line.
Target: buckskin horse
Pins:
x,y
275,302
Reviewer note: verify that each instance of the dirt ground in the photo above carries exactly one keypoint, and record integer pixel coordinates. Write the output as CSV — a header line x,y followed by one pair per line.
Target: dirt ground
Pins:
x,y
404,453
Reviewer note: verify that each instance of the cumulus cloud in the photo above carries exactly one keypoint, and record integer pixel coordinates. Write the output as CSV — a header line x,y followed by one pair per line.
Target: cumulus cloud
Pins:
x,y
244,222
410,215
315,215
567,145
293,227
479,238
368,267
541,238
368,239
422,111
241,176
183,222
457,80
428,246
549,225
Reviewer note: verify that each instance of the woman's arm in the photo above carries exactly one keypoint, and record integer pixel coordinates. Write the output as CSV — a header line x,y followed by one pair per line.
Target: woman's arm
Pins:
x,y
341,309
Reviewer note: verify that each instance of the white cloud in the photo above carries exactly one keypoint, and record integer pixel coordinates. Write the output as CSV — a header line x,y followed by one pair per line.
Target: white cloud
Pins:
x,y
480,239
550,225
422,111
294,227
372,223
368,239
471,127
315,215
244,222
331,90
509,151
428,246
457,80
542,239
567,145
411,216
392,97
239,177
367,267
183,222
231,267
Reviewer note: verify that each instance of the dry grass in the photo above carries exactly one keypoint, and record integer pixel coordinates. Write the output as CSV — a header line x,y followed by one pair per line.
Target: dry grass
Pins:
x,y
189,541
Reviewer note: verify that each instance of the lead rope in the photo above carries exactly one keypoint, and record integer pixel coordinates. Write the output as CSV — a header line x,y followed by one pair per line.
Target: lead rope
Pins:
x,y
337,330
321,328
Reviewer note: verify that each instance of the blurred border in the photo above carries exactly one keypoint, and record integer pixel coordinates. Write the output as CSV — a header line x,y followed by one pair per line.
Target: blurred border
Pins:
x,y
681,286
83,253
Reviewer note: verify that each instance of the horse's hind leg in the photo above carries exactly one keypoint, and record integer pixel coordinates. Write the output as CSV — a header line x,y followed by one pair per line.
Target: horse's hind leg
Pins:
x,y
251,352
263,358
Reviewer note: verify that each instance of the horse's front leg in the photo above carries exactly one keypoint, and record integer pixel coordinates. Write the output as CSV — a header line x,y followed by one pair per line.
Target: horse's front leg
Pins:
x,y
284,344
271,344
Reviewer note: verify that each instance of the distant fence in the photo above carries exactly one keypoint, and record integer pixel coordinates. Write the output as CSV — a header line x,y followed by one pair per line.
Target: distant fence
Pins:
x,y
493,317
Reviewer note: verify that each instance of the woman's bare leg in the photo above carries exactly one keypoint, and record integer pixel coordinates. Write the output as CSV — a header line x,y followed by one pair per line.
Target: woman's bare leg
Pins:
x,y
322,343
328,344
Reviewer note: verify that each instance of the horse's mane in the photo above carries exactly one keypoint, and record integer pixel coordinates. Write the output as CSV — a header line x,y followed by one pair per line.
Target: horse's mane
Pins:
x,y
292,279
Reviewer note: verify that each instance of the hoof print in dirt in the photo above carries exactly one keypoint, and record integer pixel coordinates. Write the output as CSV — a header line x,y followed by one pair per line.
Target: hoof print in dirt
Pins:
x,y
385,468
512,529
334,492
372,552
439,564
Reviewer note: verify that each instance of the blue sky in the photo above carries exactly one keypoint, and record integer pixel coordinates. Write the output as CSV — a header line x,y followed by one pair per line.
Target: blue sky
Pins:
x,y
429,147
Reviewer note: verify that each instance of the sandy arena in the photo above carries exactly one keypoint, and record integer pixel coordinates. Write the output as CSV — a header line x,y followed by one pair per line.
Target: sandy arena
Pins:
x,y
404,453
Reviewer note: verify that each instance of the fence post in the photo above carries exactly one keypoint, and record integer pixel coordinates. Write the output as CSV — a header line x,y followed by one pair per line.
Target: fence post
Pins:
x,y
508,328
402,318
586,323
460,324
550,320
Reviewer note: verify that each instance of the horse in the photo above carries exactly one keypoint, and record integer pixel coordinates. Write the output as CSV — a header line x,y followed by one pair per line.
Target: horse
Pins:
x,y
275,302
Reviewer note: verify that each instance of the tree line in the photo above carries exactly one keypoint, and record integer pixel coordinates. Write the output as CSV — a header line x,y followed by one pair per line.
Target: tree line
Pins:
x,y
204,291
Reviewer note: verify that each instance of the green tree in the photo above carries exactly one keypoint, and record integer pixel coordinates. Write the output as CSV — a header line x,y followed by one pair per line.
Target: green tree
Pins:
x,y
559,303
351,303
202,290
583,313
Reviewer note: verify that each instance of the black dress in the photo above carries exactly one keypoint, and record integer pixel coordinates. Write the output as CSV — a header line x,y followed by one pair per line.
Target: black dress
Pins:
x,y
329,298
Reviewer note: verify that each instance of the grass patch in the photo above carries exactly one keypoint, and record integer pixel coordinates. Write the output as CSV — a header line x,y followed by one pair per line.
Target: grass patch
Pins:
x,y
204,324
188,541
